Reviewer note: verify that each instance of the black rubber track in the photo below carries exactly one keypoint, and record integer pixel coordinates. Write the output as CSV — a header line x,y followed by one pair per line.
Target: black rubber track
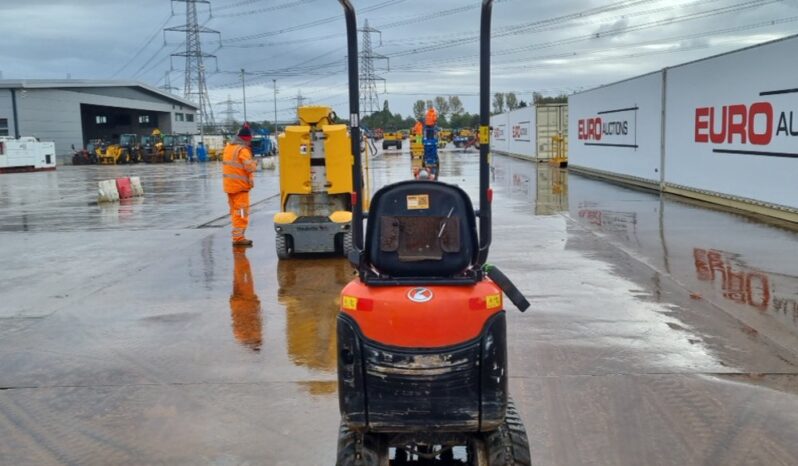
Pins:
x,y
357,449
508,445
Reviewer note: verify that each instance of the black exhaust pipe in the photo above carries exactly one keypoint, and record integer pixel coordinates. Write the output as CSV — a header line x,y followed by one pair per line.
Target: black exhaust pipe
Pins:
x,y
484,133
354,131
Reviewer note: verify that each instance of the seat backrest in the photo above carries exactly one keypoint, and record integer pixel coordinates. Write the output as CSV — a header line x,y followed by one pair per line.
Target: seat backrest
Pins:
x,y
421,229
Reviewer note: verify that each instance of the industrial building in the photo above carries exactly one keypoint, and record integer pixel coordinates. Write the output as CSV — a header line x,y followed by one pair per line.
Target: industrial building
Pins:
x,y
72,112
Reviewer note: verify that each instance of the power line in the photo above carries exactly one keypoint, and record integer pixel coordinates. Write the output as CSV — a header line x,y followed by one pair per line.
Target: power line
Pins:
x,y
264,9
143,47
310,24
369,100
195,87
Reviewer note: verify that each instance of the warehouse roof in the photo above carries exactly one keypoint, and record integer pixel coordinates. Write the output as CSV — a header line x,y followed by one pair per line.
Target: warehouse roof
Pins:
x,y
84,83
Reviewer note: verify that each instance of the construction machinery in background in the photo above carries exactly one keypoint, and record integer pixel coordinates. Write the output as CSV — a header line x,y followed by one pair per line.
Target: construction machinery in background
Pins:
x,y
262,143
315,186
392,139
153,149
127,150
175,146
422,331
463,137
416,146
445,135
88,155
431,144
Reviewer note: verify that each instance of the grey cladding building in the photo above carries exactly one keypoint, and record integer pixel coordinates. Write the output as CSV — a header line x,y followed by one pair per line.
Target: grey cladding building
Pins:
x,y
75,111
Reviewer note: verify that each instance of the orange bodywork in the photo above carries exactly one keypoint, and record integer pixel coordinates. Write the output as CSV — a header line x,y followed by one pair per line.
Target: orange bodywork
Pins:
x,y
454,314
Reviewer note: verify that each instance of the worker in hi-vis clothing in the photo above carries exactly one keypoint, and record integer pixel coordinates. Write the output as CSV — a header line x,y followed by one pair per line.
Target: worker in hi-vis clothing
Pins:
x,y
418,131
244,304
238,176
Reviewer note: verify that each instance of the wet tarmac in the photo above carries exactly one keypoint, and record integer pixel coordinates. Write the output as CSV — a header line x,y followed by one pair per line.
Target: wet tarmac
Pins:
x,y
660,332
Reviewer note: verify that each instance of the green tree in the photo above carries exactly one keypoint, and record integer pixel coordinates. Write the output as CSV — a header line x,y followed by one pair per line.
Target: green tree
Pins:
x,y
455,105
498,103
418,109
512,100
442,104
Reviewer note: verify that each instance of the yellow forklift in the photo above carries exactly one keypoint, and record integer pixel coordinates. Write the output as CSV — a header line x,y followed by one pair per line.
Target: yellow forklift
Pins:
x,y
315,186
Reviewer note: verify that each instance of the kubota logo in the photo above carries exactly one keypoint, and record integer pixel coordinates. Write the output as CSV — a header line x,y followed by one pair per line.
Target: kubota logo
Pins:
x,y
419,295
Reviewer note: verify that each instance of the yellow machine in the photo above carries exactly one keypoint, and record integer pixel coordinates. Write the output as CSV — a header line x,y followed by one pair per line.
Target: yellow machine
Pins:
x,y
127,151
315,186
559,146
445,135
392,139
416,150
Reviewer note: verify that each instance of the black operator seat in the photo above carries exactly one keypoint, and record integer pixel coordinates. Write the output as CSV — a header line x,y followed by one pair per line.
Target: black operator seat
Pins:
x,y
421,229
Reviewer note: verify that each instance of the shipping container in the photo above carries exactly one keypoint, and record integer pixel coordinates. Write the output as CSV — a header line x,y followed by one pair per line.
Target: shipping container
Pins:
x,y
551,120
526,132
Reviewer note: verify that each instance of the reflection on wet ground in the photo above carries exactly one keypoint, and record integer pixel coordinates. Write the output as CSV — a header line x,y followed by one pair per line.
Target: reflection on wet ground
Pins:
x,y
731,260
309,291
244,303
659,333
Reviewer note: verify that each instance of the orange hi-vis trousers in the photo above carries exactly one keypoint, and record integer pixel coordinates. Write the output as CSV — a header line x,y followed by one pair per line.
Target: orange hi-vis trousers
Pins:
x,y
239,213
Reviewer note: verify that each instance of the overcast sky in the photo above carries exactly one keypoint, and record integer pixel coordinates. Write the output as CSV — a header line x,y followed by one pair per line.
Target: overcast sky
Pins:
x,y
556,46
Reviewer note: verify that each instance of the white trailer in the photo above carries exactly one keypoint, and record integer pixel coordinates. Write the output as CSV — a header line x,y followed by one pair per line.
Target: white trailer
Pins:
x,y
26,154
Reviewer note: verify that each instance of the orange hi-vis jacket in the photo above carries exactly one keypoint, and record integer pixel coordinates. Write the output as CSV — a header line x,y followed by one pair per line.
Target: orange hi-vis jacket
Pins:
x,y
432,117
238,167
418,129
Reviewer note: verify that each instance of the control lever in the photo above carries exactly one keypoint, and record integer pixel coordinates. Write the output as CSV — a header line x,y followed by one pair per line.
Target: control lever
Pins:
x,y
507,286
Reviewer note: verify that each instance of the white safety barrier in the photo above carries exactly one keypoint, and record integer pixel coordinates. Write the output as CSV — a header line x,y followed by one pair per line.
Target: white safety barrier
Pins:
x,y
135,185
107,191
268,163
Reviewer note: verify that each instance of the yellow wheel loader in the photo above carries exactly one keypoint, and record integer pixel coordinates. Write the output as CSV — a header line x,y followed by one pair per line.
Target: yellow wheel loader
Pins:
x,y
315,186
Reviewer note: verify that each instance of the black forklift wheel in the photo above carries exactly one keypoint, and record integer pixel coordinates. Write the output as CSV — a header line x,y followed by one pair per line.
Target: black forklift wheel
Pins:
x,y
361,449
282,246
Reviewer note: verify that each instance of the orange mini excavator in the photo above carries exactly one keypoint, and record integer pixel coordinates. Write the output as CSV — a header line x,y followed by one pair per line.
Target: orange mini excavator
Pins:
x,y
422,346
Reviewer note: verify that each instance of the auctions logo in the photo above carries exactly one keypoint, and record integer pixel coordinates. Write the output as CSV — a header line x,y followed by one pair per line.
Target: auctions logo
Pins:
x,y
757,124
521,131
498,132
618,128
